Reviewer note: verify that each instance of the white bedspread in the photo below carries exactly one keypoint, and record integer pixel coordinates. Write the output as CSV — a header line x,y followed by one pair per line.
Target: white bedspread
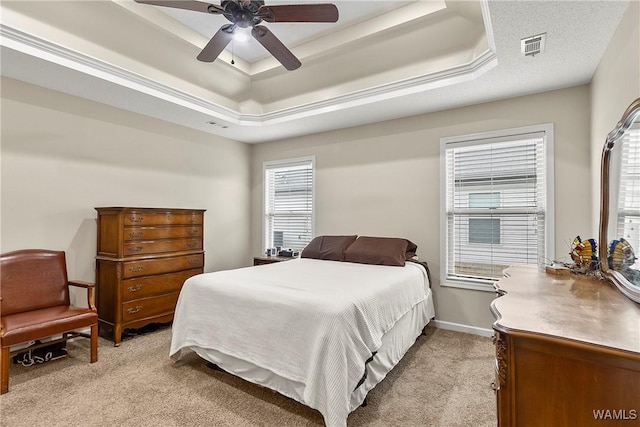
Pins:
x,y
310,321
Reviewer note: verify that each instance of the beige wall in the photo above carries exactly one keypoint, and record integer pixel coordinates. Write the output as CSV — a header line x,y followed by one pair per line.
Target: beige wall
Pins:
x,y
62,156
614,86
384,180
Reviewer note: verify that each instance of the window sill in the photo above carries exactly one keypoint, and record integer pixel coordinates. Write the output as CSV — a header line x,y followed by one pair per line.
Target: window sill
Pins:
x,y
485,287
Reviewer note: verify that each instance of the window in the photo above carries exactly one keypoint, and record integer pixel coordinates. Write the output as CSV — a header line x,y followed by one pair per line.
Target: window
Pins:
x,y
629,197
484,230
288,203
496,203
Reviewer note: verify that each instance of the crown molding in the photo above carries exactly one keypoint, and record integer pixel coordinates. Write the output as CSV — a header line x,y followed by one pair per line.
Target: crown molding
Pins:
x,y
49,51
46,50
461,73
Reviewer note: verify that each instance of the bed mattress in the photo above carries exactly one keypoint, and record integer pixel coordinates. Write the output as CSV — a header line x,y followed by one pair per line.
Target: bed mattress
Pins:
x,y
306,328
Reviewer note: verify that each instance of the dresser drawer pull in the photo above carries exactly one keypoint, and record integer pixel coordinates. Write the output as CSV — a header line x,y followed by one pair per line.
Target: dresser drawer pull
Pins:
x,y
194,218
135,288
136,218
136,269
192,245
194,261
134,248
192,232
134,310
135,234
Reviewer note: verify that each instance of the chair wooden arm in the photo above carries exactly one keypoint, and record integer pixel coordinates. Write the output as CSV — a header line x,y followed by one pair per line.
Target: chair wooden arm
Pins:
x,y
82,284
89,287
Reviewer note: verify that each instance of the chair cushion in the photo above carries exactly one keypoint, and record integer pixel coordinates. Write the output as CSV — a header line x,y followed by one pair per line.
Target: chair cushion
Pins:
x,y
29,326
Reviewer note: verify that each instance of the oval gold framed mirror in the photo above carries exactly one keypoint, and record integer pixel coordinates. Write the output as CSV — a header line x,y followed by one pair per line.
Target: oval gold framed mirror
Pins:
x,y
620,204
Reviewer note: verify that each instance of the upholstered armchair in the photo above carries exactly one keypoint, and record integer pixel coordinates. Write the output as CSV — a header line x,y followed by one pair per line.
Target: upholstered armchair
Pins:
x,y
35,304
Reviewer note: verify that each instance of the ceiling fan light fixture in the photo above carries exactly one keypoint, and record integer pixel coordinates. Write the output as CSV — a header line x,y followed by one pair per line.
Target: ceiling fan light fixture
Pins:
x,y
241,35
248,14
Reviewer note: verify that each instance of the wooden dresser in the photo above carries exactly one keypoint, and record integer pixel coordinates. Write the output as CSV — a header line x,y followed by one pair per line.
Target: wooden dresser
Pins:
x,y
144,257
567,351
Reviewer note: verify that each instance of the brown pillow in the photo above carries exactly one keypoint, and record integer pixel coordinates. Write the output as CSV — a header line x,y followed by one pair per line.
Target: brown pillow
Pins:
x,y
328,247
380,251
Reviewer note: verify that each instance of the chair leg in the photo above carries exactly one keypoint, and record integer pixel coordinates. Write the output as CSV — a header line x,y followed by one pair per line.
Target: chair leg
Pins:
x,y
94,343
4,369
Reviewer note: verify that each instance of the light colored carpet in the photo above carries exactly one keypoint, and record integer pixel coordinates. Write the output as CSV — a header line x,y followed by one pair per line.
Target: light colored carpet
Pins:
x,y
443,381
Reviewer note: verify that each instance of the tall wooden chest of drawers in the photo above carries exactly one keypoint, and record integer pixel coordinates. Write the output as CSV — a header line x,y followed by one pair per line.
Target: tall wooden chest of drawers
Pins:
x,y
144,255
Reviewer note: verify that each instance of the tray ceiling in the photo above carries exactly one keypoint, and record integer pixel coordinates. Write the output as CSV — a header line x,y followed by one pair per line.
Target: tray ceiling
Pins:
x,y
382,60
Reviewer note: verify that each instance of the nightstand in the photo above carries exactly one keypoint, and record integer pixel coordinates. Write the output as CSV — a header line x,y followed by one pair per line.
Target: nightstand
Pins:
x,y
261,260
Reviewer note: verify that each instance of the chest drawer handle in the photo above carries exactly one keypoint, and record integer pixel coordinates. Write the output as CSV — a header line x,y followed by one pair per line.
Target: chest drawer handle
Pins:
x,y
135,234
135,248
136,218
192,245
135,288
192,232
194,261
136,269
134,310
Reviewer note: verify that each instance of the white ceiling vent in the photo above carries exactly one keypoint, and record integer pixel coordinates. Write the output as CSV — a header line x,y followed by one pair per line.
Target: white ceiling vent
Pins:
x,y
533,45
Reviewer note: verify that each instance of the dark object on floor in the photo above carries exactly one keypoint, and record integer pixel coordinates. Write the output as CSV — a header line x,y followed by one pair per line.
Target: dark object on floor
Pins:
x,y
39,354
151,327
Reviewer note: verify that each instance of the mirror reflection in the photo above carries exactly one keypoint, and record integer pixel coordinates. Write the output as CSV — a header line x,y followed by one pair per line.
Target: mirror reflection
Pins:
x,y
620,222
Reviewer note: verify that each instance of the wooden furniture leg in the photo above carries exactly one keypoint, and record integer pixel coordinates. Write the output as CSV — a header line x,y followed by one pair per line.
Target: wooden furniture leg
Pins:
x,y
4,370
94,343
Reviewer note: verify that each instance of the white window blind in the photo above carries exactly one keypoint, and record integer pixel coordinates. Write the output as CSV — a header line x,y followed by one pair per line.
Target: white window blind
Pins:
x,y
629,196
495,210
288,203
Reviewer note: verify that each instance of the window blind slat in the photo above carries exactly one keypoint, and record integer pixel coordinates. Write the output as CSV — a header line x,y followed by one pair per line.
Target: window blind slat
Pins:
x,y
288,208
629,190
495,206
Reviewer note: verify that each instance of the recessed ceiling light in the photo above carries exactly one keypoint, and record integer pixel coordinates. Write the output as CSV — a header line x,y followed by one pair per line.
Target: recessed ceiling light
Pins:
x,y
214,123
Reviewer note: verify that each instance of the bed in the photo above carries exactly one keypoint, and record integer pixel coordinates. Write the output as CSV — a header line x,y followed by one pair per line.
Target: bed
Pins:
x,y
321,331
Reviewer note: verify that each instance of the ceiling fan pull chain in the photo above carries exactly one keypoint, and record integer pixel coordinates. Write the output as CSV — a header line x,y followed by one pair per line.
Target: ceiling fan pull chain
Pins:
x,y
232,46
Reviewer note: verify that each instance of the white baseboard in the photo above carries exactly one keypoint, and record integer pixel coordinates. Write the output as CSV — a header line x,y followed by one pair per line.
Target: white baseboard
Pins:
x,y
463,328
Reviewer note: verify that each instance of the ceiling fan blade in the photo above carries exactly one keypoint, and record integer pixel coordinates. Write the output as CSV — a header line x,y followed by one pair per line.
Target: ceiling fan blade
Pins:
x,y
270,42
217,43
299,13
198,6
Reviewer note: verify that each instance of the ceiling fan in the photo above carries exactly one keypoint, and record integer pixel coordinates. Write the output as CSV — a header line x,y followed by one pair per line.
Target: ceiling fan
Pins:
x,y
250,13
